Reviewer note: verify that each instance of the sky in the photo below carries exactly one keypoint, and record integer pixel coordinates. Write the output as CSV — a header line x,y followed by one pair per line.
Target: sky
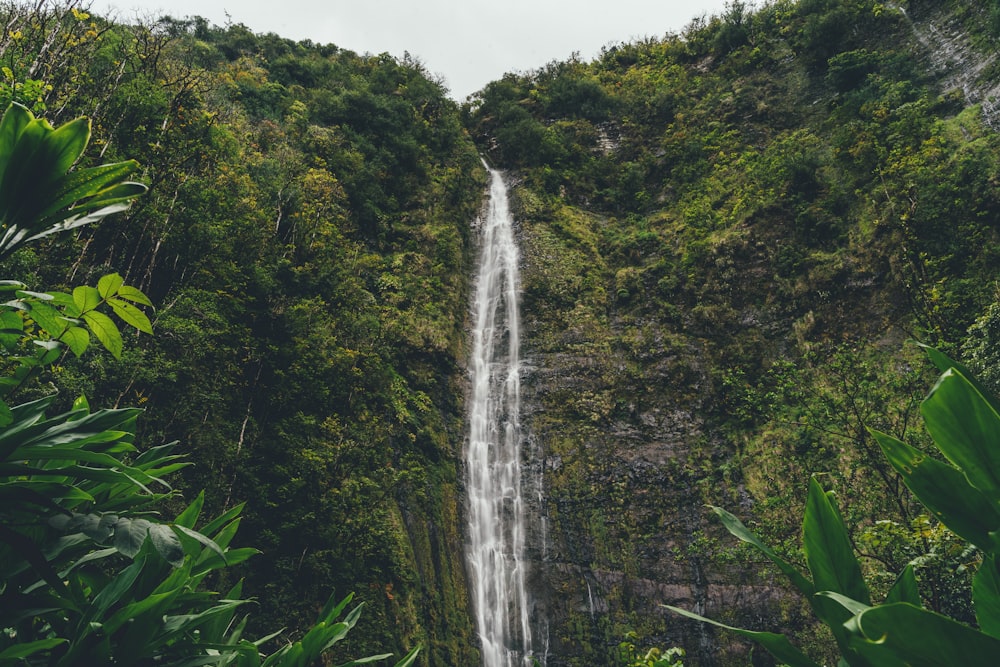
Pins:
x,y
467,43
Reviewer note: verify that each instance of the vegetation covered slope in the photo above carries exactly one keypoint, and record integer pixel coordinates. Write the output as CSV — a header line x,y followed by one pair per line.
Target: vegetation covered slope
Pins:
x,y
729,235
305,242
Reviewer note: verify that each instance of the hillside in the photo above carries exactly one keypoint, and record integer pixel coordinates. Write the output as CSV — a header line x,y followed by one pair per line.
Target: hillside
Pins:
x,y
730,235
306,242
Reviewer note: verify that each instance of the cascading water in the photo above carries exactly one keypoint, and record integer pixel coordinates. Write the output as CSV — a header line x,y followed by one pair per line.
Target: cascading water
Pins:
x,y
496,550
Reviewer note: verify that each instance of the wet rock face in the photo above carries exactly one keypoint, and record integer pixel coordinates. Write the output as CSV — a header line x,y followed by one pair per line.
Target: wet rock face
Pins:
x,y
618,513
617,413
953,58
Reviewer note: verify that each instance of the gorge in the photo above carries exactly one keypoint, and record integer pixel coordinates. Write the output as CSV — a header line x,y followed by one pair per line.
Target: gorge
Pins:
x,y
725,239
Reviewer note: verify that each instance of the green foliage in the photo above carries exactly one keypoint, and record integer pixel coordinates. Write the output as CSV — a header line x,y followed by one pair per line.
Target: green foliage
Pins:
x,y
982,347
89,573
698,209
630,656
961,491
305,238
38,196
30,93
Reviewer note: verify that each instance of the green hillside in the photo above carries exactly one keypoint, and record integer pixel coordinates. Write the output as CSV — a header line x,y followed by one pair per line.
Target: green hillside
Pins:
x,y
306,243
730,236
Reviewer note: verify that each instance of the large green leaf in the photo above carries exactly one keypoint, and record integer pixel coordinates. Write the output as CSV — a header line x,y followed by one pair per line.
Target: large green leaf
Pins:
x,y
131,315
73,219
777,645
64,456
130,534
106,331
68,430
27,649
115,590
966,429
98,527
53,495
409,658
65,144
902,634
14,120
736,527
374,658
39,197
152,607
118,193
944,490
215,629
225,519
986,596
26,420
831,561
167,544
944,362
189,622
84,183
22,188
201,539
905,589
828,549
189,516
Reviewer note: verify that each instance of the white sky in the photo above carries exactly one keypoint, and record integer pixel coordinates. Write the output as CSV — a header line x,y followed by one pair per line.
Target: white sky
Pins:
x,y
466,42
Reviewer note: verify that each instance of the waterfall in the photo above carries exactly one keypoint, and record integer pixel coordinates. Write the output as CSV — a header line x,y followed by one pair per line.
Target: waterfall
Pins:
x,y
590,599
496,546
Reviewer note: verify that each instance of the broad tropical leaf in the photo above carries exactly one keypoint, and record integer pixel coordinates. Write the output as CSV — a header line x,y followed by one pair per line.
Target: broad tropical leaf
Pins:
x,y
944,362
831,561
966,429
18,651
986,596
902,634
37,195
944,490
905,589
828,549
777,645
736,527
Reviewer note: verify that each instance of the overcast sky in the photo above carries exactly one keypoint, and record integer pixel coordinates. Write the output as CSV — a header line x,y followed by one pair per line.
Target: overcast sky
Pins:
x,y
466,42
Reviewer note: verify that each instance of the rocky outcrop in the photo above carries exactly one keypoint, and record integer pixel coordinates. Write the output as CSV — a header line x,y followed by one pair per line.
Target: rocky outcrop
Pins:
x,y
955,60
618,412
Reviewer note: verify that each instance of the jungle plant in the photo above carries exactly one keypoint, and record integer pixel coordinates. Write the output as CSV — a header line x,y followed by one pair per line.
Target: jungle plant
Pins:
x,y
962,492
631,656
89,573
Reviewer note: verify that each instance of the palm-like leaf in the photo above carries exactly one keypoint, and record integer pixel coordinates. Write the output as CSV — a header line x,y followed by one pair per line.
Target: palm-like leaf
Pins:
x,y
38,194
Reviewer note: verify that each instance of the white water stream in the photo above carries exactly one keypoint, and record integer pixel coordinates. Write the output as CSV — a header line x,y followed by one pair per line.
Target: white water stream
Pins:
x,y
493,459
